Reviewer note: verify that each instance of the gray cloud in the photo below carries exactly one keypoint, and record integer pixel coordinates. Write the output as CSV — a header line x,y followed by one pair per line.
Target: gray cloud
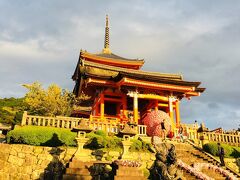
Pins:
x,y
213,105
40,40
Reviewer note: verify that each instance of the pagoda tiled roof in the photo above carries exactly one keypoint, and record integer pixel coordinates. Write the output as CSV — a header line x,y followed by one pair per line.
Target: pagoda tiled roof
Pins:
x,y
167,78
114,56
137,73
200,90
113,59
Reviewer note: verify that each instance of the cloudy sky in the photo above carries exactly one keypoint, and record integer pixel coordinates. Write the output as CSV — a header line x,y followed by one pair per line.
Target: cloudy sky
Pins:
x,y
40,41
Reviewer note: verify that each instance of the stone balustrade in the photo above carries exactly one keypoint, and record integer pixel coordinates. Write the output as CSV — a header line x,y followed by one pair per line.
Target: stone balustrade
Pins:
x,y
221,137
58,121
142,130
109,124
189,131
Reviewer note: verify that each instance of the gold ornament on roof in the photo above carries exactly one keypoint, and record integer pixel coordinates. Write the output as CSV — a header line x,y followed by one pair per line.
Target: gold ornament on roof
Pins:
x,y
106,49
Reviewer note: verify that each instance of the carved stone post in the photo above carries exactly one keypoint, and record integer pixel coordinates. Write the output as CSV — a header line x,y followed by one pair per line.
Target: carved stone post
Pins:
x,y
126,145
24,118
81,141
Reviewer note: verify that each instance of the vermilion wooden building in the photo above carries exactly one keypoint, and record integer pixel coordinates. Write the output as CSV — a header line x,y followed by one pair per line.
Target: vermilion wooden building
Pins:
x,y
118,87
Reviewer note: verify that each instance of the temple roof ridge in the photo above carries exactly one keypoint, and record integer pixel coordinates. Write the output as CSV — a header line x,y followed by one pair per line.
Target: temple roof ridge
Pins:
x,y
115,56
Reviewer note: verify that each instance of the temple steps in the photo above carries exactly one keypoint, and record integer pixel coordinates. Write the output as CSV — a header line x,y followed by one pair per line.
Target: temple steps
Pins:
x,y
129,173
78,170
79,164
190,155
188,175
129,178
76,177
213,174
195,158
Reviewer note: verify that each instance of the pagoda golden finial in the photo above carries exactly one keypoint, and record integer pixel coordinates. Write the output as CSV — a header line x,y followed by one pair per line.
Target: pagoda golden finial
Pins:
x,y
106,49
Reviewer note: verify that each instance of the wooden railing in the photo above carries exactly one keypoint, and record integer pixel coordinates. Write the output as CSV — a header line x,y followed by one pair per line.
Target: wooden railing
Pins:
x,y
109,124
231,139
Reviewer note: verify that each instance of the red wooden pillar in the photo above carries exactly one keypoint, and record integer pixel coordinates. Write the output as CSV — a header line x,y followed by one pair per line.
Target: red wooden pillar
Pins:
x,y
102,106
170,108
118,109
124,102
135,107
177,110
97,109
156,105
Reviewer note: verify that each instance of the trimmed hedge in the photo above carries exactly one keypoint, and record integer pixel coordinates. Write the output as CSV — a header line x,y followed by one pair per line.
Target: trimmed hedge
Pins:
x,y
50,136
42,136
230,151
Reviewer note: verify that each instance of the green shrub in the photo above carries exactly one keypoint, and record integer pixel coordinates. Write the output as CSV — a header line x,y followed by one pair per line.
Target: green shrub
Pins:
x,y
114,142
136,145
42,136
139,145
230,151
108,157
211,148
101,133
99,139
95,141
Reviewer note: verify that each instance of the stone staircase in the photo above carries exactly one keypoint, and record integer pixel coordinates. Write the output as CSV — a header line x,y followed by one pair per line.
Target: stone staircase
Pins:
x,y
78,170
186,152
129,173
190,154
188,175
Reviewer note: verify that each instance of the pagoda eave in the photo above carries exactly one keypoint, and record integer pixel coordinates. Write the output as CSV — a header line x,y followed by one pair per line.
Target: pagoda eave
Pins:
x,y
143,84
132,64
153,85
125,71
101,82
194,93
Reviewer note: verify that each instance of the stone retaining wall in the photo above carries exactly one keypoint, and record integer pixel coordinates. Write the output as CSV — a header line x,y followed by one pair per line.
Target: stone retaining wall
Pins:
x,y
32,162
23,162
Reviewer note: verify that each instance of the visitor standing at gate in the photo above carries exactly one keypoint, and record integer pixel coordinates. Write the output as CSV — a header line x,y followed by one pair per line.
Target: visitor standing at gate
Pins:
x,y
163,127
181,133
221,154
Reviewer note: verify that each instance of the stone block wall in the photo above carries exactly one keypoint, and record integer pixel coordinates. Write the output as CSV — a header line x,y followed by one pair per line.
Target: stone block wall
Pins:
x,y
23,162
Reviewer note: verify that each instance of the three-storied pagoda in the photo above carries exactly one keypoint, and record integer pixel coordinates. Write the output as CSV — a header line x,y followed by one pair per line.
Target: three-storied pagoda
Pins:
x,y
117,88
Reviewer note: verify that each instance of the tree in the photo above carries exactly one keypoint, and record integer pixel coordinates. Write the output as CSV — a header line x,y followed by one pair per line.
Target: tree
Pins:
x,y
53,101
11,110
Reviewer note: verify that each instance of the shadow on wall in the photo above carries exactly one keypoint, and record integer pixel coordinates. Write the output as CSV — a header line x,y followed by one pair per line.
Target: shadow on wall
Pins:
x,y
56,168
